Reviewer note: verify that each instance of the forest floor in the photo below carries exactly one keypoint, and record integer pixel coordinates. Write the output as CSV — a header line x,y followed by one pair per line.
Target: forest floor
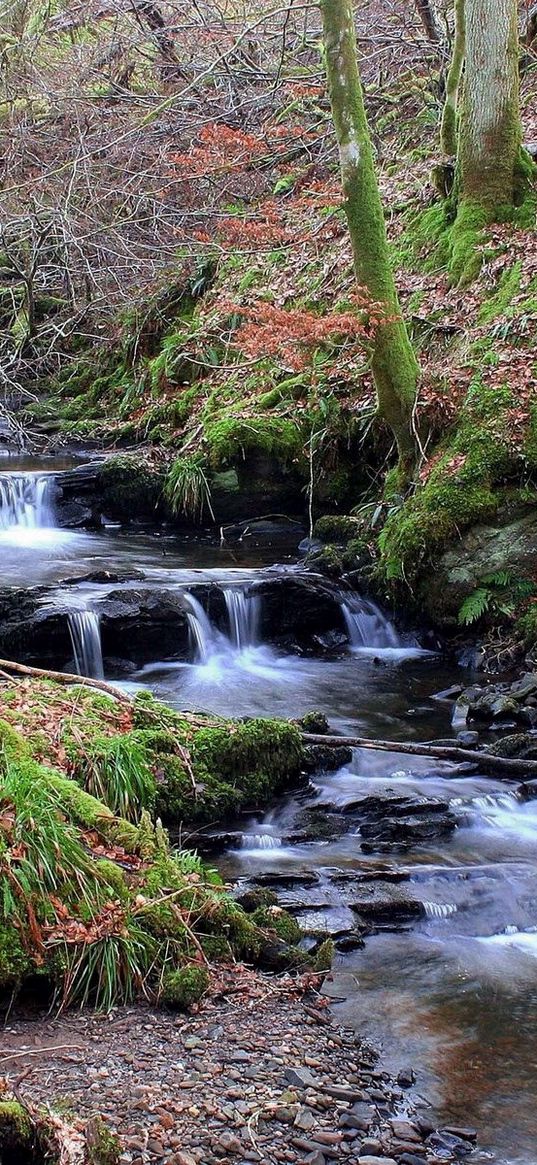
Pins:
x,y
261,1073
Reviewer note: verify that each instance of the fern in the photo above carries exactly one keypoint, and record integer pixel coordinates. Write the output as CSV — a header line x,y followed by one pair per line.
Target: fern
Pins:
x,y
499,592
475,606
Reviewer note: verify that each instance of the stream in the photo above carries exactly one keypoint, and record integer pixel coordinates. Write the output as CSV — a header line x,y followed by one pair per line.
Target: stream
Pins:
x,y
443,976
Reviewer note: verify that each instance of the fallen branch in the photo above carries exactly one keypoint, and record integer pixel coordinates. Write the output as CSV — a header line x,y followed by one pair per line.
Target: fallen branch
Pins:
x,y
7,665
501,765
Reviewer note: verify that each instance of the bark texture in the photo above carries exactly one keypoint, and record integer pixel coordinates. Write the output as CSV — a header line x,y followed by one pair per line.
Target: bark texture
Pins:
x,y
394,365
448,130
429,18
490,129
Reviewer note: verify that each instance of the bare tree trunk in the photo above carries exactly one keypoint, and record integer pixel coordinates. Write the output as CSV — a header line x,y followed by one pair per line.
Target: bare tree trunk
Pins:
x,y
448,130
394,365
490,131
429,18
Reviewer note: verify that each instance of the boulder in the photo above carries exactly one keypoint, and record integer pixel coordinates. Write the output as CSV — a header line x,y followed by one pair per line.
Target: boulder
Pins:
x,y
507,544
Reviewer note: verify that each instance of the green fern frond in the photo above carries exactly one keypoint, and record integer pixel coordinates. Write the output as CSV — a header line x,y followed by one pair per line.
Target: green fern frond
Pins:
x,y
475,606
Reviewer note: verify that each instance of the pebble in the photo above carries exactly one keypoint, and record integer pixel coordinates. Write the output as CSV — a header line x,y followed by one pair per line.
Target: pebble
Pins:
x,y
300,1077
377,1161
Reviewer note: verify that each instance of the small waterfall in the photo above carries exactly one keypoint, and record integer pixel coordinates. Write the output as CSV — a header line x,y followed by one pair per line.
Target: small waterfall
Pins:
x,y
202,633
260,841
439,909
366,625
85,635
243,613
26,501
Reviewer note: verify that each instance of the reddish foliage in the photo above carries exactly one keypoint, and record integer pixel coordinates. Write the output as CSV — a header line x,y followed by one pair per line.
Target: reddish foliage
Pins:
x,y
293,334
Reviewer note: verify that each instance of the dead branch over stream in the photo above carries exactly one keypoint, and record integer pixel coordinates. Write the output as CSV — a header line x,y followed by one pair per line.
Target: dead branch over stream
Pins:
x,y
508,767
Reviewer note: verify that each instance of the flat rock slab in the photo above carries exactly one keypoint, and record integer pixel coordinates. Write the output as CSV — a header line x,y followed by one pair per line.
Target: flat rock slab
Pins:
x,y
386,902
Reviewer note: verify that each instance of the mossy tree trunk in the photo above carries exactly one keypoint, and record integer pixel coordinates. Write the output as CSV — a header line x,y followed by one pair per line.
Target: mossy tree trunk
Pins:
x,y
394,365
490,130
448,130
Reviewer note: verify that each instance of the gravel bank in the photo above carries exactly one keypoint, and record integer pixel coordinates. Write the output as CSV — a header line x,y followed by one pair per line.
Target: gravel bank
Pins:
x,y
260,1074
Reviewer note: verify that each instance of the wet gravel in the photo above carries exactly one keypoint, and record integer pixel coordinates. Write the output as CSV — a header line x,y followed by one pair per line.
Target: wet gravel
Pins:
x,y
262,1073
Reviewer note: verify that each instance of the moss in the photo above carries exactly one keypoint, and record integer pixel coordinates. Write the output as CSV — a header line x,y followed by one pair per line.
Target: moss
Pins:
x,y
498,303
278,920
315,722
466,486
14,960
328,561
336,528
184,987
526,627
16,1129
466,237
324,956
130,487
104,1147
231,437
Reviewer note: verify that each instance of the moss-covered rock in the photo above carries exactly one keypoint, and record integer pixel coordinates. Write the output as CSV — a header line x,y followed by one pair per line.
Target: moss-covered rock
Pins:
x,y
184,987
130,487
474,476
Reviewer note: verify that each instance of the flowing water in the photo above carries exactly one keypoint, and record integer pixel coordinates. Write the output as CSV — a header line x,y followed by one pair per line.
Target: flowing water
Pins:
x,y
451,990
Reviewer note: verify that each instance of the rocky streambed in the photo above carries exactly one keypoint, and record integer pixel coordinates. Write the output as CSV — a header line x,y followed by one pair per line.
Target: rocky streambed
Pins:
x,y
261,1074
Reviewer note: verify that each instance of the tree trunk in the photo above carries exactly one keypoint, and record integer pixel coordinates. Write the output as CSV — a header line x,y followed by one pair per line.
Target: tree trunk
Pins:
x,y
448,130
430,21
394,365
490,129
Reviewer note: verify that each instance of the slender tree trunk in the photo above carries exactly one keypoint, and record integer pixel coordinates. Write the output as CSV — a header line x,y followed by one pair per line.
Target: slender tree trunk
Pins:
x,y
448,130
490,129
394,365
429,19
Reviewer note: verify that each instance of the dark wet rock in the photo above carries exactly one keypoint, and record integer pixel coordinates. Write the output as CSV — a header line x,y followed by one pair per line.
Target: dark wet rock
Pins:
x,y
467,1134
406,1078
382,873
522,745
386,903
346,943
104,576
394,819
404,1131
468,739
405,831
302,607
376,808
286,878
526,686
409,1159
324,758
528,791
449,694
445,1142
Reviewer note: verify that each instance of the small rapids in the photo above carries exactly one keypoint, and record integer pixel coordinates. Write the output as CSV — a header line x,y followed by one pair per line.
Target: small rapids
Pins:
x,y
26,501
85,633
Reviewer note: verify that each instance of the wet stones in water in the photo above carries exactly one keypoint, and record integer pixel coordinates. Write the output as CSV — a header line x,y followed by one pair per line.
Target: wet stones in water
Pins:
x,y
394,822
386,904
284,878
